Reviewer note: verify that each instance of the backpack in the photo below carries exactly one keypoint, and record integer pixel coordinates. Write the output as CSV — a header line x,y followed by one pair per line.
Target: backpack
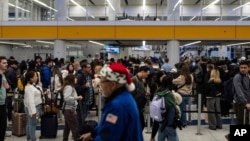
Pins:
x,y
229,90
198,74
59,99
20,82
157,108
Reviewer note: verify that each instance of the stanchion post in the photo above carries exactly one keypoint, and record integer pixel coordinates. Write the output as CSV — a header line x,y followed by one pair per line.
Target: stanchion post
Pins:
x,y
189,108
148,119
199,115
99,106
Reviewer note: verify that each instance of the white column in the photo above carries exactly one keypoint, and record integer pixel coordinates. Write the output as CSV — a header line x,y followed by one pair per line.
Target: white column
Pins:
x,y
4,10
173,52
173,15
17,11
110,13
59,49
62,13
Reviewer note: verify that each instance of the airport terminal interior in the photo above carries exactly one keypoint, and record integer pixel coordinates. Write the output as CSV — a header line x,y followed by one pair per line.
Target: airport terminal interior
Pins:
x,y
135,28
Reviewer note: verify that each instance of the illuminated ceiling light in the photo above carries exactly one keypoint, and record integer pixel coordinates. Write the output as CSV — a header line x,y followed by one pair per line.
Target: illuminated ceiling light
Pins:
x,y
244,43
45,42
70,19
13,43
217,19
177,4
143,43
45,5
97,43
192,43
192,18
77,4
241,6
12,5
93,16
212,3
111,5
244,18
143,4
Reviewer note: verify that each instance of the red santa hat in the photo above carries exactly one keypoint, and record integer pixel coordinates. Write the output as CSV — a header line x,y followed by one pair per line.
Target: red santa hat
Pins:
x,y
118,73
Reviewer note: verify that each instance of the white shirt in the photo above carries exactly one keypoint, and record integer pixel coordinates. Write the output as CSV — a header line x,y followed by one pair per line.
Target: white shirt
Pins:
x,y
32,98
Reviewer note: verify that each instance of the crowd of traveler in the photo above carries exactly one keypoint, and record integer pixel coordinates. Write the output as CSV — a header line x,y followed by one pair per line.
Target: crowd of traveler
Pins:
x,y
127,85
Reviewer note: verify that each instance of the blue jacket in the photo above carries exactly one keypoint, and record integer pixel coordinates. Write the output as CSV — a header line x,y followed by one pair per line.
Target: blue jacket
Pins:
x,y
120,119
46,76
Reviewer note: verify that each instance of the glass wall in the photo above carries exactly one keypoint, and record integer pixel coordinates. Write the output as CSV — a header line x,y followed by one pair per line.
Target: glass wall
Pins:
x,y
104,10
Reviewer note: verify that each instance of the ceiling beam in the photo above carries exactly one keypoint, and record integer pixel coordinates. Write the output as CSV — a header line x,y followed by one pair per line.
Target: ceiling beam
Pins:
x,y
233,2
91,2
197,2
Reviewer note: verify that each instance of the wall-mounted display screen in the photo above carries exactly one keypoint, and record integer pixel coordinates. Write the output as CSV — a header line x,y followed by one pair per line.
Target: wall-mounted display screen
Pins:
x,y
112,49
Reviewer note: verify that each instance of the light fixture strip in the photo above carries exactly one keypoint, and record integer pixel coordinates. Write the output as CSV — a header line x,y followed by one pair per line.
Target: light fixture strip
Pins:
x,y
45,5
244,18
45,42
143,43
212,3
70,19
217,19
13,43
177,4
241,6
143,4
243,43
97,43
77,4
12,5
111,5
192,43
192,18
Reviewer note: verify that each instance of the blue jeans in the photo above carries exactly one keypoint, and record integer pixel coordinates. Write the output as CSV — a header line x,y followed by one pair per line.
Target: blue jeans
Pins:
x,y
169,132
185,101
31,125
82,115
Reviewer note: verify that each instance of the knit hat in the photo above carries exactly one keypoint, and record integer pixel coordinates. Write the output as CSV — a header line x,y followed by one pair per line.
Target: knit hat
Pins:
x,y
118,73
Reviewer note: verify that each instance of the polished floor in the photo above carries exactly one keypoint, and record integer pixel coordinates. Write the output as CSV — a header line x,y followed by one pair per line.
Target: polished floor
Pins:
x,y
188,133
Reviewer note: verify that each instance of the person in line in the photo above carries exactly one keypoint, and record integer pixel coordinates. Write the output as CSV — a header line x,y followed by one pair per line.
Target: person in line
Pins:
x,y
32,102
156,84
241,83
213,94
120,116
184,84
140,92
69,108
3,86
167,129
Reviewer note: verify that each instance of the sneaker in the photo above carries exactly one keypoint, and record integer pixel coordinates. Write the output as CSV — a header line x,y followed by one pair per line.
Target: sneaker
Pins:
x,y
7,135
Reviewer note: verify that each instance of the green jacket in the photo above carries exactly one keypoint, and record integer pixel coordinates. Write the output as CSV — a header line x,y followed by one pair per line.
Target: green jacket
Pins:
x,y
2,91
169,97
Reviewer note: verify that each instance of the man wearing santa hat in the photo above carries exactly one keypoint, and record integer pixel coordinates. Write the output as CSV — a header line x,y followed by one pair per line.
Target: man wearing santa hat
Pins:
x,y
120,116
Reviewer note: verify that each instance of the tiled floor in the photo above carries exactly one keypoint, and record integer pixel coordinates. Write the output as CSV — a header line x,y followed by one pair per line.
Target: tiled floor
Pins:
x,y
187,134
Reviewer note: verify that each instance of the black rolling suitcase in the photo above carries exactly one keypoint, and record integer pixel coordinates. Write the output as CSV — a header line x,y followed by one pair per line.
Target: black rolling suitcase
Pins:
x,y
49,126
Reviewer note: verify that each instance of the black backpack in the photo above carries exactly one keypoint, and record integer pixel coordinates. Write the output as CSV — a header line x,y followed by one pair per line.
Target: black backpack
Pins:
x,y
229,90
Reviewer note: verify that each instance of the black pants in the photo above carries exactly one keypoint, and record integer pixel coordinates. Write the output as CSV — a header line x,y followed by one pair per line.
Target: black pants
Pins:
x,y
155,128
3,122
9,107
